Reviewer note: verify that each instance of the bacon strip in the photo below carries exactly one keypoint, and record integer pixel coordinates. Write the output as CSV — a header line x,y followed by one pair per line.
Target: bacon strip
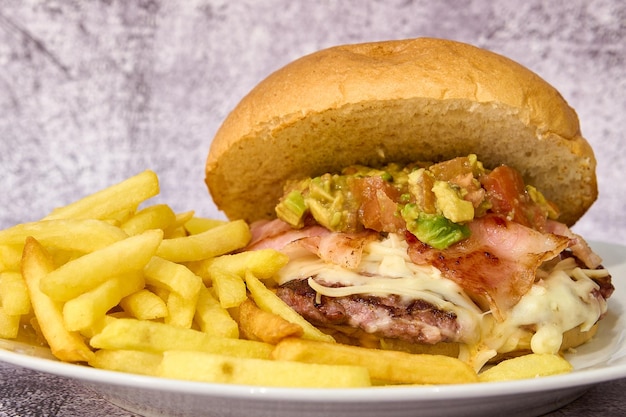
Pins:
x,y
497,264
577,244
344,249
276,234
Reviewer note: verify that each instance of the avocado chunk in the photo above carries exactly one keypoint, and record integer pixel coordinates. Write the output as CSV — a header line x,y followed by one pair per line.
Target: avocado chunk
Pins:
x,y
292,209
451,204
433,229
326,198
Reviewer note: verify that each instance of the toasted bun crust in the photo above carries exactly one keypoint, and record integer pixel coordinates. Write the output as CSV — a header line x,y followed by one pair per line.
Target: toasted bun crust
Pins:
x,y
398,101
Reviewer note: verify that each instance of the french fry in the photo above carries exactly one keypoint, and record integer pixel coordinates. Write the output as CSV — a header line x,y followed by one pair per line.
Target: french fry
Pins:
x,y
133,361
10,257
14,297
87,272
100,323
384,366
196,225
81,235
212,318
263,263
87,309
160,292
256,324
230,288
9,324
171,276
65,345
528,366
200,366
214,242
180,310
177,229
158,216
118,198
144,305
121,216
149,336
270,302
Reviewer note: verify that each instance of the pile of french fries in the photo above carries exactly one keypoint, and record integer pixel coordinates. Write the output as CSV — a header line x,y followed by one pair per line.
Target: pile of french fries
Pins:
x,y
145,290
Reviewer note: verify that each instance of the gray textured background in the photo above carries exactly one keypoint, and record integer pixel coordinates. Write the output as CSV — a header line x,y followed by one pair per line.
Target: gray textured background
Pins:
x,y
93,92
96,91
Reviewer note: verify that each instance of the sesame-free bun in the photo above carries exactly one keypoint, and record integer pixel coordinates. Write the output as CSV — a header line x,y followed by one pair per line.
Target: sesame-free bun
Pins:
x,y
398,101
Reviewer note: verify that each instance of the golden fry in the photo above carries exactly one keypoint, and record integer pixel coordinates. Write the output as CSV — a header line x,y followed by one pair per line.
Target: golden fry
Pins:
x,y
200,366
263,263
10,257
196,225
87,272
65,345
87,309
527,366
81,235
214,242
14,297
230,288
177,229
9,324
105,204
257,324
180,310
384,366
149,336
171,276
144,305
158,216
212,318
133,361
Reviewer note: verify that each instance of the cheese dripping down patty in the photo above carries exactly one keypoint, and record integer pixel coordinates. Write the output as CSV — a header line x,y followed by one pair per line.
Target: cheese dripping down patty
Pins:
x,y
561,298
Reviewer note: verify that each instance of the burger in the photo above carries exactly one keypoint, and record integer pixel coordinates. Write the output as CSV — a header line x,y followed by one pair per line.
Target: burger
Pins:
x,y
424,191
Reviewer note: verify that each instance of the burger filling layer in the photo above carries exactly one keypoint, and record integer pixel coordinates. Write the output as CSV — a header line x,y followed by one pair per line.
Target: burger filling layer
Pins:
x,y
431,253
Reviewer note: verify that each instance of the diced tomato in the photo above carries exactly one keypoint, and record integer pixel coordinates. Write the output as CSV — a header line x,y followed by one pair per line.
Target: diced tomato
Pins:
x,y
508,197
379,204
453,168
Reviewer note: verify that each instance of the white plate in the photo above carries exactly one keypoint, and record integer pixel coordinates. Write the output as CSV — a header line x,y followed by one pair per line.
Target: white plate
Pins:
x,y
600,360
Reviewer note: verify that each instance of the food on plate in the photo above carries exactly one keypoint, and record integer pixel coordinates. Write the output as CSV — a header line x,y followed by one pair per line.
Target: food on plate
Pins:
x,y
254,323
399,212
384,366
153,292
66,345
528,366
202,366
423,191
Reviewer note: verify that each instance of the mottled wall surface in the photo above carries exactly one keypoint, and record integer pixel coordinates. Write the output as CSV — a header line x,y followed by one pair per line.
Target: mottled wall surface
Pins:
x,y
95,91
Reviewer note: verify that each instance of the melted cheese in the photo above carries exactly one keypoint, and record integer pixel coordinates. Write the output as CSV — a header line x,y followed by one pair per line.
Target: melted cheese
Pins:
x,y
556,303
561,298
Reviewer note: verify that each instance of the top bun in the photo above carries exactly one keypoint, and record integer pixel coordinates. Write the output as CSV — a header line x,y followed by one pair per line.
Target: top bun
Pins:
x,y
398,101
